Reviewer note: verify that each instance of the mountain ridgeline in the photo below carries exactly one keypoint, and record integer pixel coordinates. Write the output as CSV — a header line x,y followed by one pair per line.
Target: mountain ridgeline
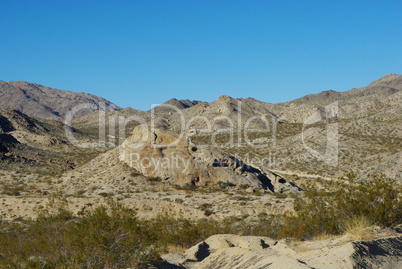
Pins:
x,y
43,102
368,125
240,183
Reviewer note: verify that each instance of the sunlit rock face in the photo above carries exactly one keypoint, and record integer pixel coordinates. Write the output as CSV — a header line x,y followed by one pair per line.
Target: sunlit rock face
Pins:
x,y
159,153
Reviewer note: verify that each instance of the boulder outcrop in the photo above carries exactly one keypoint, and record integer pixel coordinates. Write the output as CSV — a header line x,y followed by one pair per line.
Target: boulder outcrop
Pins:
x,y
159,153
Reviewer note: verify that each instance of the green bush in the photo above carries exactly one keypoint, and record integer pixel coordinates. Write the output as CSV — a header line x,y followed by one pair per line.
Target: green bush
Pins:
x,y
242,198
244,186
105,194
104,238
134,172
328,210
224,185
207,208
13,190
112,237
154,179
179,200
204,206
186,187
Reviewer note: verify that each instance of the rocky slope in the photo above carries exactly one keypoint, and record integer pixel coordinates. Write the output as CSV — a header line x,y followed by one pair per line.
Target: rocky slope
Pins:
x,y
231,251
37,145
43,102
379,96
382,97
367,121
215,178
364,125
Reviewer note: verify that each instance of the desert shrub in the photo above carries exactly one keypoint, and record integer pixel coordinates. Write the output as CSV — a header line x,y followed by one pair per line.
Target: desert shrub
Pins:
x,y
177,187
280,194
224,185
329,210
154,179
105,238
204,206
356,227
13,190
134,172
182,232
208,212
186,187
242,198
258,193
105,194
244,186
112,236
207,208
378,199
179,200
80,193
262,215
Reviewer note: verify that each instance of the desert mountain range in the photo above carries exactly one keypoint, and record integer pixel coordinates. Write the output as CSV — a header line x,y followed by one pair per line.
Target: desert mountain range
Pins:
x,y
240,158
367,119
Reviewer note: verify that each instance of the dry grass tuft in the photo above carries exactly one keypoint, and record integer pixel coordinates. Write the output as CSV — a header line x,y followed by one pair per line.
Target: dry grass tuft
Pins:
x,y
357,227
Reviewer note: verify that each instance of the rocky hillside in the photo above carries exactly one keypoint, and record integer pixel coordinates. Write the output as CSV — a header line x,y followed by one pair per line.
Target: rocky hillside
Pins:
x,y
366,126
42,102
180,104
210,182
381,97
38,146
294,134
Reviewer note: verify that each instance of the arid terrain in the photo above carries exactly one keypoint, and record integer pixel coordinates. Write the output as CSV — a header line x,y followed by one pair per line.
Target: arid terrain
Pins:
x,y
238,163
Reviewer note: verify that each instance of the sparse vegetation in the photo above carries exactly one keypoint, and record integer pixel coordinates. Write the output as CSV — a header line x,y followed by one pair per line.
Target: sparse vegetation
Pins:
x,y
13,190
105,194
104,238
207,208
204,206
331,210
186,187
154,179
134,172
107,237
224,185
242,198
179,200
356,227
244,186
38,163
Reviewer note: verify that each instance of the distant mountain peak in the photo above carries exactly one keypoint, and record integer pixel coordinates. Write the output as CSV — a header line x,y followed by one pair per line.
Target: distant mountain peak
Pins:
x,y
388,80
181,104
43,102
225,98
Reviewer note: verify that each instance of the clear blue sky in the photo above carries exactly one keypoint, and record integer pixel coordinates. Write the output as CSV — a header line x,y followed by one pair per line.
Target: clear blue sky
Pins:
x,y
138,53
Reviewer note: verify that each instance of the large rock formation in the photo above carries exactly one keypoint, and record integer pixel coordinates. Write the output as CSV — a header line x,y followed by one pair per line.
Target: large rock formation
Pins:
x,y
159,153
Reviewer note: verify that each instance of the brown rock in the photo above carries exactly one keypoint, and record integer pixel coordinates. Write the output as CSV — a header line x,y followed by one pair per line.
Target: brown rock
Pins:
x,y
159,153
